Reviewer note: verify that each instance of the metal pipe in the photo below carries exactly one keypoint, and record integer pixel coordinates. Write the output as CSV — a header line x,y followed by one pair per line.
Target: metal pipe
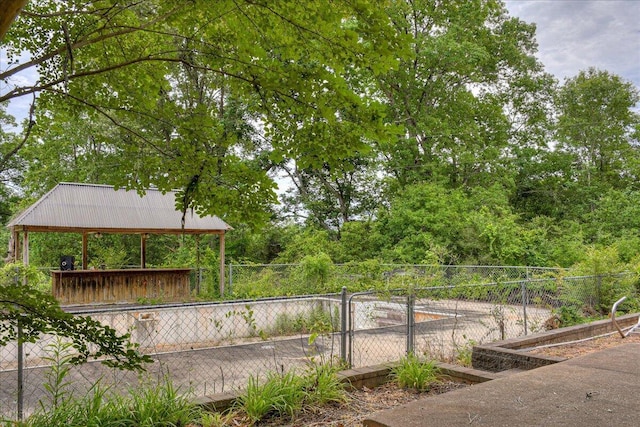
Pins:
x,y
410,323
524,305
343,325
613,316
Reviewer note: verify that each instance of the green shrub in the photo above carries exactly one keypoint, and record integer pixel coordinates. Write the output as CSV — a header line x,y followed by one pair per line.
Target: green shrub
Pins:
x,y
322,386
464,353
147,406
287,394
278,395
315,272
412,372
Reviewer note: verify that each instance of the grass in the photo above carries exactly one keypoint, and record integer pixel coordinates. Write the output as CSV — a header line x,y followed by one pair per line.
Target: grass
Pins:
x,y
158,406
412,372
290,393
148,406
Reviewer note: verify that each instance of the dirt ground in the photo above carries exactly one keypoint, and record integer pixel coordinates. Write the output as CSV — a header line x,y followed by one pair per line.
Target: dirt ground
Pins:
x,y
361,404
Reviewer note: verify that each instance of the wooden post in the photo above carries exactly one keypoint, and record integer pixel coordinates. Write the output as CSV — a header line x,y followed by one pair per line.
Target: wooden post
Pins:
x,y
85,257
143,250
221,264
15,246
25,247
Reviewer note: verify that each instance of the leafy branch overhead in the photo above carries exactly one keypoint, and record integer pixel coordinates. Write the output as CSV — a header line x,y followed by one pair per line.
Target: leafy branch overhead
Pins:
x,y
219,87
26,313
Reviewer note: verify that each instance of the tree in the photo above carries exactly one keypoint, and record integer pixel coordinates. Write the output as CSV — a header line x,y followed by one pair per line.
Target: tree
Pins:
x,y
469,65
11,8
162,75
10,163
26,313
599,129
329,197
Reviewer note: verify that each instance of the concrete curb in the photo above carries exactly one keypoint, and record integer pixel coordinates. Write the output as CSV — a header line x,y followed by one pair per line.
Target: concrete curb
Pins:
x,y
358,378
511,354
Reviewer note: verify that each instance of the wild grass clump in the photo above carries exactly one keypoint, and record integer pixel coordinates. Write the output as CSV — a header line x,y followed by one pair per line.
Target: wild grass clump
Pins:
x,y
145,406
154,406
414,373
287,394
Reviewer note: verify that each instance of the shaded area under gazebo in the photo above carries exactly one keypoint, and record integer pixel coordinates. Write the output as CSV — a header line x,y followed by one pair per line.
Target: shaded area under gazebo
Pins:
x,y
90,209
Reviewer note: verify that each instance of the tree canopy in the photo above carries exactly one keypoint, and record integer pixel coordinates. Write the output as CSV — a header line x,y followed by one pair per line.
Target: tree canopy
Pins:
x,y
404,130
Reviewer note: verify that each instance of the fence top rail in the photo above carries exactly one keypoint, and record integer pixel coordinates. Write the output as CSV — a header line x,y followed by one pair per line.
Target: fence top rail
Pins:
x,y
138,307
408,291
515,267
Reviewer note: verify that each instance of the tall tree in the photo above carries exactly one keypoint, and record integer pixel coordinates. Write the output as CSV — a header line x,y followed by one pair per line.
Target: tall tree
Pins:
x,y
128,62
449,97
331,196
598,127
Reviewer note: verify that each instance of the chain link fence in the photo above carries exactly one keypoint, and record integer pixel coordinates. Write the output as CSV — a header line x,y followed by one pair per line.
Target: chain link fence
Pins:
x,y
251,279
205,348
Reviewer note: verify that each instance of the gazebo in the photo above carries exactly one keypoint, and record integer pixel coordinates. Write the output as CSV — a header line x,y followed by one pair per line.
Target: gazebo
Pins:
x,y
91,209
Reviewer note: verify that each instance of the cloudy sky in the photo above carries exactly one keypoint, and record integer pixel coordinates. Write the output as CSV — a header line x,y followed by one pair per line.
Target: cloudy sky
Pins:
x,y
574,35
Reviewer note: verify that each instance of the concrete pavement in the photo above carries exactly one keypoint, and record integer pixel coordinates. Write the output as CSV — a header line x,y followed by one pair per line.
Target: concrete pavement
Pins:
x,y
597,389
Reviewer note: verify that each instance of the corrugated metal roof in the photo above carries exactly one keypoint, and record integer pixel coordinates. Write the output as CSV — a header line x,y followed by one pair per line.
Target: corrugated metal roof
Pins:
x,y
101,207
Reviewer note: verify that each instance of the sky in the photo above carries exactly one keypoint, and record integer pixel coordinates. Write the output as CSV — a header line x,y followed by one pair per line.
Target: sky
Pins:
x,y
572,35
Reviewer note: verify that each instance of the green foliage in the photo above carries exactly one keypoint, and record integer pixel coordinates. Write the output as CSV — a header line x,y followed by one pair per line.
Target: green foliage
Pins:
x,y
322,386
413,132
148,406
316,321
248,317
277,395
301,242
212,113
288,393
568,315
26,313
607,284
158,405
316,272
412,372
56,383
161,406
266,282
464,353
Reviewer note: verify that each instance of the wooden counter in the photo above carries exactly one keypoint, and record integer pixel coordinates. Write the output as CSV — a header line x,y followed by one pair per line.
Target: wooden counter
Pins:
x,y
121,286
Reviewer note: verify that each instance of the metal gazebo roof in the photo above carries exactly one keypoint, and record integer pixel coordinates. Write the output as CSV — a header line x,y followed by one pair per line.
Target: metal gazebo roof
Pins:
x,y
74,207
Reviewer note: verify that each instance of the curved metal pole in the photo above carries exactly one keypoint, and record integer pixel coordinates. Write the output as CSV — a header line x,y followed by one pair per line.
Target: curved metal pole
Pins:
x,y
613,316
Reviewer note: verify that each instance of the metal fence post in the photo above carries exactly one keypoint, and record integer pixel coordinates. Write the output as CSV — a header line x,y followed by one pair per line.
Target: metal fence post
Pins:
x,y
20,373
524,304
351,329
230,278
411,323
343,325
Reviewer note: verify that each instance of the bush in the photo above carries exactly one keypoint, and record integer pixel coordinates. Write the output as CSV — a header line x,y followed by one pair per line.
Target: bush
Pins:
x,y
415,373
147,406
287,394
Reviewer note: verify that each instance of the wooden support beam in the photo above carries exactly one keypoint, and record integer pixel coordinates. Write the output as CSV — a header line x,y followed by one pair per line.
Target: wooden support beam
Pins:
x,y
143,250
85,256
221,264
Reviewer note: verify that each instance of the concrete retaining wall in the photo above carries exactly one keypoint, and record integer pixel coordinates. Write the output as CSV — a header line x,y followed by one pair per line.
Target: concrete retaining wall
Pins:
x,y
508,354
